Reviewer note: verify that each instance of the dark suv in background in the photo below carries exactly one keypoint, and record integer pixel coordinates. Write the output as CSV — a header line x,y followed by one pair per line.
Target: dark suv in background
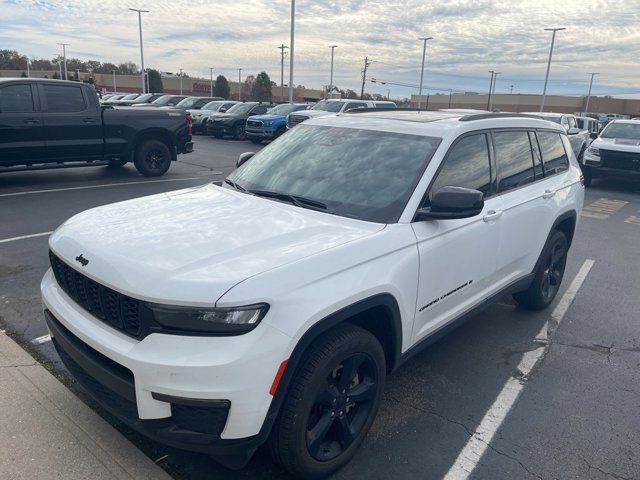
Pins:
x,y
233,121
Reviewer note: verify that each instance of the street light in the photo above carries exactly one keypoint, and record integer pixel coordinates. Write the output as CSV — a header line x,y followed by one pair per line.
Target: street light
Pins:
x,y
239,85
586,108
493,90
64,57
114,81
282,49
424,53
332,47
291,56
180,81
211,80
546,78
140,12
492,72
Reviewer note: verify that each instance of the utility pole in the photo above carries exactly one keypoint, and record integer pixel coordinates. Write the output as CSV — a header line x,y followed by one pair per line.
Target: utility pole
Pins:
x,y
180,81
586,108
490,89
114,81
239,85
364,76
450,93
140,12
332,47
493,91
546,78
28,72
64,59
282,49
211,80
291,50
511,90
424,54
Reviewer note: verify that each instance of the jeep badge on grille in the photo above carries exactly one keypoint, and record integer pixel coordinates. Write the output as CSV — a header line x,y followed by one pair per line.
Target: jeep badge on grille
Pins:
x,y
83,261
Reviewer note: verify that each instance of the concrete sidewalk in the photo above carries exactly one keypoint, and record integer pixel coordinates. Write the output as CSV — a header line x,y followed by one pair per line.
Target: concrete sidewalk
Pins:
x,y
46,432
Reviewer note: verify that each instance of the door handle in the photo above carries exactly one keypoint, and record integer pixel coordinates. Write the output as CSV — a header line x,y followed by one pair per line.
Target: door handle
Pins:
x,y
492,215
89,120
31,120
548,193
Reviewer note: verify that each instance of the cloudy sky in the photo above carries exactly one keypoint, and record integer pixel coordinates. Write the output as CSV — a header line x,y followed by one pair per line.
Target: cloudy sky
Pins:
x,y
470,38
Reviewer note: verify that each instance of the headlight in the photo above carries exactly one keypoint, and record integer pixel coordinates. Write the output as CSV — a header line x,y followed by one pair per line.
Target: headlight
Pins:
x,y
267,124
222,321
593,151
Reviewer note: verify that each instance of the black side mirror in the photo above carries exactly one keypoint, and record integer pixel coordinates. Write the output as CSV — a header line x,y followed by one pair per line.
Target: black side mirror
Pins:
x,y
244,157
453,202
593,135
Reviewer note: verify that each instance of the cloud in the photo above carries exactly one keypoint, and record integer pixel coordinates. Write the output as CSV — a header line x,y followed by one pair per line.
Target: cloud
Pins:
x,y
470,37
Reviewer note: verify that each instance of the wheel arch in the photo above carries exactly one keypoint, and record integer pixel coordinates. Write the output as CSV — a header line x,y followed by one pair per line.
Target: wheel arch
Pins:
x,y
155,134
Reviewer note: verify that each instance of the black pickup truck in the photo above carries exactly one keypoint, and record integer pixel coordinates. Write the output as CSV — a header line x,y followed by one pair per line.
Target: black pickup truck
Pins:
x,y
57,123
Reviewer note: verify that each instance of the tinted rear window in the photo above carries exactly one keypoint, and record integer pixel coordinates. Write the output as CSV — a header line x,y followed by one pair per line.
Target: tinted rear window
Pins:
x,y
64,98
514,160
16,99
553,153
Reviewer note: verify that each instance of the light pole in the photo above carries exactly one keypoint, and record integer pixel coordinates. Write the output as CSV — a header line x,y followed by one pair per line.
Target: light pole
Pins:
x,y
180,81
239,85
493,90
114,81
28,72
490,88
140,12
211,80
546,78
291,50
64,59
450,94
586,108
332,47
282,49
424,53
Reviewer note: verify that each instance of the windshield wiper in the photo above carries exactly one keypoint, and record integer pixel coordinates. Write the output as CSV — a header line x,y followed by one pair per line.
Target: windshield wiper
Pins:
x,y
235,185
293,199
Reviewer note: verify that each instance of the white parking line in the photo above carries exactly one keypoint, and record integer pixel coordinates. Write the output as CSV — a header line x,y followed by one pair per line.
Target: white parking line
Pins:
x,y
41,340
24,237
98,186
478,443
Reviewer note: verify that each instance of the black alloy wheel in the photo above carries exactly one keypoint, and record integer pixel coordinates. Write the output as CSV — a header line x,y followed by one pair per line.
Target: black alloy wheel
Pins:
x,y
554,271
238,132
152,158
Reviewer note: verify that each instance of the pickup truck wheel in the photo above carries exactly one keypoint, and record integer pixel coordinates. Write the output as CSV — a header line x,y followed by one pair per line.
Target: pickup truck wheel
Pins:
x,y
331,403
238,132
153,158
117,163
548,276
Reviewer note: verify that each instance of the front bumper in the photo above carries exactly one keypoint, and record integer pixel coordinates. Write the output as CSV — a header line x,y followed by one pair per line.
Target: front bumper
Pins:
x,y
220,128
155,385
260,132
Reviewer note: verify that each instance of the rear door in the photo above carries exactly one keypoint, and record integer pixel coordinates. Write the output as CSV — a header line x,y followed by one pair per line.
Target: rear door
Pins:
x,y
21,139
72,122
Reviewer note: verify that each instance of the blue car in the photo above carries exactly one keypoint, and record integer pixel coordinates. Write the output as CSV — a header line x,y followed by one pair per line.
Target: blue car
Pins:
x,y
272,124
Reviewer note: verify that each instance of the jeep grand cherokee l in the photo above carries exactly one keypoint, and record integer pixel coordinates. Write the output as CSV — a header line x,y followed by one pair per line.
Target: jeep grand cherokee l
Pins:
x,y
272,308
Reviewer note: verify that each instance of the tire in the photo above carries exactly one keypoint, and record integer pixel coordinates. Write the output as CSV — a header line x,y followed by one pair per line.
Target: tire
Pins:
x,y
117,163
256,140
548,276
152,158
319,395
238,132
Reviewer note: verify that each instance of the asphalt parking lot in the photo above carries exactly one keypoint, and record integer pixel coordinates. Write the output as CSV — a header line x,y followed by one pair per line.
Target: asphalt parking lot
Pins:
x,y
473,398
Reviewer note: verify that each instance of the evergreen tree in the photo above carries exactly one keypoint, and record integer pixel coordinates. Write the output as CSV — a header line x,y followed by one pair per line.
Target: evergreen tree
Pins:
x,y
221,87
155,81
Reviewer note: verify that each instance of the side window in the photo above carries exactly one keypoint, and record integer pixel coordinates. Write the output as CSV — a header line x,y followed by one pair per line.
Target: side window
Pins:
x,y
514,160
352,105
565,123
259,110
466,165
64,98
16,99
554,155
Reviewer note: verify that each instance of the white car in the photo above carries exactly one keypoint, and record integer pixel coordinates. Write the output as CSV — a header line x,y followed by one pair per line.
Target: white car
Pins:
x,y
331,106
579,137
272,308
591,124
616,152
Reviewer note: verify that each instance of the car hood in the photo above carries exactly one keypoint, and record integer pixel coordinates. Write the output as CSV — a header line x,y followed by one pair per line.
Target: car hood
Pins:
x,y
191,246
226,116
266,117
618,144
313,113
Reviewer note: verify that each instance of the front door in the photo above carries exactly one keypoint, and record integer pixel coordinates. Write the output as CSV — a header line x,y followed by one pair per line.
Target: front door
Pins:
x,y
21,139
458,257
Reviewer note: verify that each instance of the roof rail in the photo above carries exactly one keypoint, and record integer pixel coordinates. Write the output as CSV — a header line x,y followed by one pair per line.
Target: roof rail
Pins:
x,y
485,116
382,109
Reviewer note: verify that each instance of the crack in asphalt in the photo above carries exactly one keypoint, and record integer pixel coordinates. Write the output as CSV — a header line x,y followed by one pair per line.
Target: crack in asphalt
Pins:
x,y
608,474
607,350
468,431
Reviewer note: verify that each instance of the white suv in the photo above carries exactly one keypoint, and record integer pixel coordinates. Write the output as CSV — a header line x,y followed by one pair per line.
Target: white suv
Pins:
x,y
332,106
272,308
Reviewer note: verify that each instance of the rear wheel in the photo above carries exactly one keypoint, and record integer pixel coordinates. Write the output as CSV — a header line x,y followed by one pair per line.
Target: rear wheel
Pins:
x,y
548,276
331,403
238,132
152,158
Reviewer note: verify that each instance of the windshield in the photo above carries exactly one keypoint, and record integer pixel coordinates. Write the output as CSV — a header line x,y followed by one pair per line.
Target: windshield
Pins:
x,y
241,108
188,102
284,109
145,97
215,106
622,130
327,106
130,97
362,174
163,100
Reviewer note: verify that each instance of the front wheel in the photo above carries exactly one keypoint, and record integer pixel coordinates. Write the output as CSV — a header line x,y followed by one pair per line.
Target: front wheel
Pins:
x,y
548,276
238,132
152,158
331,403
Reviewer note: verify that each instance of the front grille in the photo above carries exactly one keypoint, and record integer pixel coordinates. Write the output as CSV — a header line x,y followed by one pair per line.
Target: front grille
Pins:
x,y
254,123
620,160
294,120
117,310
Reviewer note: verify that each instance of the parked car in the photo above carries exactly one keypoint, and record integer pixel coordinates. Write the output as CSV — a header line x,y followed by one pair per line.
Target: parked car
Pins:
x,y
327,107
54,123
201,116
591,124
580,138
272,124
281,300
123,100
141,99
196,103
616,152
233,121
115,97
165,101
